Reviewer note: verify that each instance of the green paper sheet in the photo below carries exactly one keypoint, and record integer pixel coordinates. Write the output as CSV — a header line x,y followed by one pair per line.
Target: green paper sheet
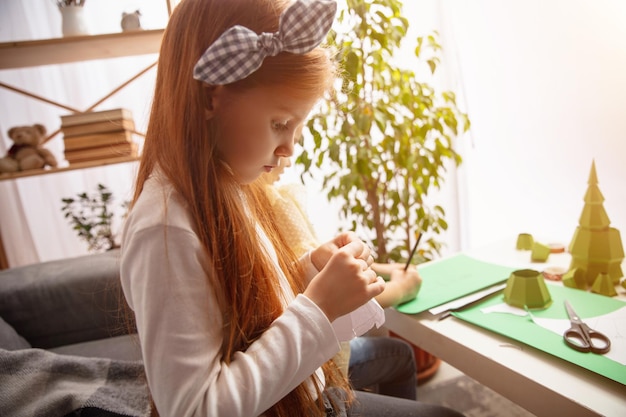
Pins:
x,y
524,330
451,278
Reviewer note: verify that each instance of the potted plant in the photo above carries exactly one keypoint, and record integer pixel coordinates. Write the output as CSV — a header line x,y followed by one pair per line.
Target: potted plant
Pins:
x,y
384,138
91,216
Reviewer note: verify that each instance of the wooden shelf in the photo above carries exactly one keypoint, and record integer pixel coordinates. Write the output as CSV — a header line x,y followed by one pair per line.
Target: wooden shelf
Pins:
x,y
81,165
34,53
79,48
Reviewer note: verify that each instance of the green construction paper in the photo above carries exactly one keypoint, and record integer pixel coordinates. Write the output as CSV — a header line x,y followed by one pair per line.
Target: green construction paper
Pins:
x,y
451,278
524,330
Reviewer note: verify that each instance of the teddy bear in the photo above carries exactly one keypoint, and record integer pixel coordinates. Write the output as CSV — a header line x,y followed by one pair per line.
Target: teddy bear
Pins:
x,y
27,152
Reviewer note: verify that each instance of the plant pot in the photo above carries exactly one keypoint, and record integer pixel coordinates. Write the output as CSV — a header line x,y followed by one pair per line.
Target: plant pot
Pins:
x,y
73,21
426,363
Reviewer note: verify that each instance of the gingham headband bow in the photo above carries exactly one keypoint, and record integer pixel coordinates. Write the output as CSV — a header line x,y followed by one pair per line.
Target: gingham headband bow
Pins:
x,y
239,51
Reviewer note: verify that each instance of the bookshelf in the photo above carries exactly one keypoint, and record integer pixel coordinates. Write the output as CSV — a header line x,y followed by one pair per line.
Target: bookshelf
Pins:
x,y
25,54
34,53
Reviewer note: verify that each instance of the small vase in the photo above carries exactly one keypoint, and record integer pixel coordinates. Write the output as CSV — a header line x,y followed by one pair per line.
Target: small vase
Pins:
x,y
73,19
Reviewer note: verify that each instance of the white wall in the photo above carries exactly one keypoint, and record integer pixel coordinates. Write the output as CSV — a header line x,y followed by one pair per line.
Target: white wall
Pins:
x,y
545,87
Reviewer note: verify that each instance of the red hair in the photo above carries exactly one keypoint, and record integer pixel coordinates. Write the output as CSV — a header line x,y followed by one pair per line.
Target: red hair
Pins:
x,y
182,144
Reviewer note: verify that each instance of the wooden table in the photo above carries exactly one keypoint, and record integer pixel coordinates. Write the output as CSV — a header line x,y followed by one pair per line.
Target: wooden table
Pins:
x,y
541,383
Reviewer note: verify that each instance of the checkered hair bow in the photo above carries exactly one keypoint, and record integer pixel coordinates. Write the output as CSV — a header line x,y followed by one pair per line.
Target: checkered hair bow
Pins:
x,y
239,51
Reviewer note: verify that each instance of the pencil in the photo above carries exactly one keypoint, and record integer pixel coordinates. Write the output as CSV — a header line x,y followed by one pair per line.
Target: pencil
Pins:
x,y
417,242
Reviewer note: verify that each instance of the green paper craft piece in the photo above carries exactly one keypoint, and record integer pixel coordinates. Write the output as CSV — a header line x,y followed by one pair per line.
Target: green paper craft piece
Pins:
x,y
526,288
575,278
604,285
540,252
596,248
524,241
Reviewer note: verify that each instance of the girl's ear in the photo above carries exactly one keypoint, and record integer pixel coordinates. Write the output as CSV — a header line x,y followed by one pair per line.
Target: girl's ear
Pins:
x,y
212,99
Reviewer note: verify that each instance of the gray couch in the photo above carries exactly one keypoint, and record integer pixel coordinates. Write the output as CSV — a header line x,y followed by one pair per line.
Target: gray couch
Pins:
x,y
69,306
65,350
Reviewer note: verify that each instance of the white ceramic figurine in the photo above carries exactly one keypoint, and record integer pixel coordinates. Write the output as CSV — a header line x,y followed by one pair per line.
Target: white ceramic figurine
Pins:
x,y
130,21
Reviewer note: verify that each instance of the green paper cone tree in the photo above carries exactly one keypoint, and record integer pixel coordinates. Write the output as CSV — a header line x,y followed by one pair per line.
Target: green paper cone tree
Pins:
x,y
596,247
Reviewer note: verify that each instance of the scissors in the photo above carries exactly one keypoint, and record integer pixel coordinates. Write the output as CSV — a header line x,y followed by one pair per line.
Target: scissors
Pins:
x,y
583,338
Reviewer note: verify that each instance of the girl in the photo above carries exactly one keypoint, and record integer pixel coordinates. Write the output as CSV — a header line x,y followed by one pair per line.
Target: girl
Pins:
x,y
230,321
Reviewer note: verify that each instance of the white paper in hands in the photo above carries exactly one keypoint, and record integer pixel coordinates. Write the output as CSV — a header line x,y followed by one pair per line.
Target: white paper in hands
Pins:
x,y
359,321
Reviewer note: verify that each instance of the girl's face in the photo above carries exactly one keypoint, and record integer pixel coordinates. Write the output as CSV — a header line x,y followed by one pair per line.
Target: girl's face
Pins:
x,y
257,128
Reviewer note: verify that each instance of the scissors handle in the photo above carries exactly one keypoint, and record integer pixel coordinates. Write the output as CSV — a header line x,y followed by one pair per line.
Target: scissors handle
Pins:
x,y
584,339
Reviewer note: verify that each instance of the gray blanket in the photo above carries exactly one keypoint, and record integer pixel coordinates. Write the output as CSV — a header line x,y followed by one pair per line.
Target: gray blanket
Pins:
x,y
38,383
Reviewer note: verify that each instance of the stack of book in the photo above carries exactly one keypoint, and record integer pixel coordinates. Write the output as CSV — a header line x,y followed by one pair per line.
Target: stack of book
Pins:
x,y
98,135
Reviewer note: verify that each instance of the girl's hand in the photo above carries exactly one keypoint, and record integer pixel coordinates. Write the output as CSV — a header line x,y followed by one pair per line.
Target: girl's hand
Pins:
x,y
402,286
346,281
322,254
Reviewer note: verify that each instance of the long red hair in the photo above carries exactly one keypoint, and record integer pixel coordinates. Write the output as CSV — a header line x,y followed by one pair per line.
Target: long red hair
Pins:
x,y
182,144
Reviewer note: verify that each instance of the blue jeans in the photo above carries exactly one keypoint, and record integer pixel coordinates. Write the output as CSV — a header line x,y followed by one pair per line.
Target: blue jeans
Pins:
x,y
367,404
385,365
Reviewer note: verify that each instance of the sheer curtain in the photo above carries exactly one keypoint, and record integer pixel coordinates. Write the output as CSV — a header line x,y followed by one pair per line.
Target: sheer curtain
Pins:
x,y
32,225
